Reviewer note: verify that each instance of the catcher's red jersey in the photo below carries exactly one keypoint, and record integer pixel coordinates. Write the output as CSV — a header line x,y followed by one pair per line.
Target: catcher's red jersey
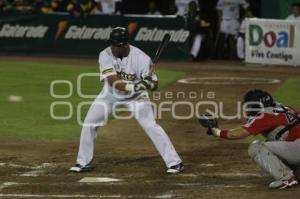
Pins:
x,y
266,122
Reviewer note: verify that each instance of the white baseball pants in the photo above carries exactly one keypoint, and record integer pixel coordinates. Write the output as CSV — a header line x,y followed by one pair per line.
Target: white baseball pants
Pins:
x,y
98,113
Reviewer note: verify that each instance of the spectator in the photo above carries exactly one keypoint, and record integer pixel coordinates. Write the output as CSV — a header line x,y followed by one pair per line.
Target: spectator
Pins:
x,y
152,9
183,6
229,12
40,6
255,7
199,28
118,9
58,6
21,6
108,7
97,9
172,9
80,8
4,6
296,12
209,7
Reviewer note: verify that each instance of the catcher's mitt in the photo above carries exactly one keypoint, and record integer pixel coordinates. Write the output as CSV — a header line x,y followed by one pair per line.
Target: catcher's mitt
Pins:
x,y
208,121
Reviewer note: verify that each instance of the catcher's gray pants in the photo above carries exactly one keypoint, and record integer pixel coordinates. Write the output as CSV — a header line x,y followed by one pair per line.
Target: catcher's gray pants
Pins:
x,y
142,110
272,156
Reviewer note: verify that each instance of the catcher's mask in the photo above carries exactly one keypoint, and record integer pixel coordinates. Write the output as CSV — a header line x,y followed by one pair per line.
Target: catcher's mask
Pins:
x,y
256,100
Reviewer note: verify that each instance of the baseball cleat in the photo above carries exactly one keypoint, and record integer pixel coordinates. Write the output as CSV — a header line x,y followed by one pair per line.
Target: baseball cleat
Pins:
x,y
284,184
176,168
79,168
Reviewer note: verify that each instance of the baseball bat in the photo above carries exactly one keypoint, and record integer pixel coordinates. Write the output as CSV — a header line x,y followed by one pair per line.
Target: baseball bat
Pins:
x,y
163,44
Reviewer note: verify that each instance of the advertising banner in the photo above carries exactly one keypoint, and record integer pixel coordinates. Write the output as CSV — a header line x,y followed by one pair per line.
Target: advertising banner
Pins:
x,y
69,35
273,42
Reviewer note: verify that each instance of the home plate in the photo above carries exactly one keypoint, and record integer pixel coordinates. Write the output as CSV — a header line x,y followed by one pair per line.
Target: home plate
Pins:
x,y
95,180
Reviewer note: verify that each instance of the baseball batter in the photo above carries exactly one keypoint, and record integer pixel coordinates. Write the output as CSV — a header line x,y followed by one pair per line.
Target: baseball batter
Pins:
x,y
229,11
126,72
279,155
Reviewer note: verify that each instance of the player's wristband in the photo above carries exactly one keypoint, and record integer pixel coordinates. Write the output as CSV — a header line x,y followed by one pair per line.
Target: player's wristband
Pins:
x,y
220,133
216,131
223,134
129,87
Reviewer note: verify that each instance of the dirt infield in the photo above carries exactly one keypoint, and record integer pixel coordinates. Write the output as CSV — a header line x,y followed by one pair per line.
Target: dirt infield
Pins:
x,y
215,168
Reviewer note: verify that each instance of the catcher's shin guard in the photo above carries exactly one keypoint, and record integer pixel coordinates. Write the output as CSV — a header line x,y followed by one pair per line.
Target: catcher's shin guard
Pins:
x,y
268,162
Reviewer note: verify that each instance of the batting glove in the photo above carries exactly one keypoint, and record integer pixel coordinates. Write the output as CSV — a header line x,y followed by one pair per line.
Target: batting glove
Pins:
x,y
151,85
140,86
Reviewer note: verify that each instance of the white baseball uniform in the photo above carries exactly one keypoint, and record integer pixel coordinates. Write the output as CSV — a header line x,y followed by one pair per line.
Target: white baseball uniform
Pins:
x,y
230,15
241,41
130,69
292,17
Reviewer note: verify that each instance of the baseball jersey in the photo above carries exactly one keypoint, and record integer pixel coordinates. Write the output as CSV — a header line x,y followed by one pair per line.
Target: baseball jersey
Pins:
x,y
231,8
243,27
267,121
132,68
292,17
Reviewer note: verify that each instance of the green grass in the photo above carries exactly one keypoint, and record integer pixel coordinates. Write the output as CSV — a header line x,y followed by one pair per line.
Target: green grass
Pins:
x,y
289,93
31,117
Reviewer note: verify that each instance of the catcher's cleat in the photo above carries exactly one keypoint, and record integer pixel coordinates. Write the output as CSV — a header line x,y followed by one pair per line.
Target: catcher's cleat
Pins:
x,y
284,184
176,168
79,168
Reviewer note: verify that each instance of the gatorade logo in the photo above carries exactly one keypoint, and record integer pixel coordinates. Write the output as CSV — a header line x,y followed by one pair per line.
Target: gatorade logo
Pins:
x,y
143,34
17,31
87,33
146,34
280,39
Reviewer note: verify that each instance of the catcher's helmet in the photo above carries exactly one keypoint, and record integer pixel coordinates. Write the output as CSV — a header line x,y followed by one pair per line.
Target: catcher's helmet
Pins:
x,y
262,98
118,36
257,95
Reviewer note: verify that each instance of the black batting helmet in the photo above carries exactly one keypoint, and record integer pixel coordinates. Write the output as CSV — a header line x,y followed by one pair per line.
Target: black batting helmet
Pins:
x,y
262,98
118,36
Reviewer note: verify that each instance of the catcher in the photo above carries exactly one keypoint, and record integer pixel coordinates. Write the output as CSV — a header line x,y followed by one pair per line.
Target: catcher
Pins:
x,y
279,155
